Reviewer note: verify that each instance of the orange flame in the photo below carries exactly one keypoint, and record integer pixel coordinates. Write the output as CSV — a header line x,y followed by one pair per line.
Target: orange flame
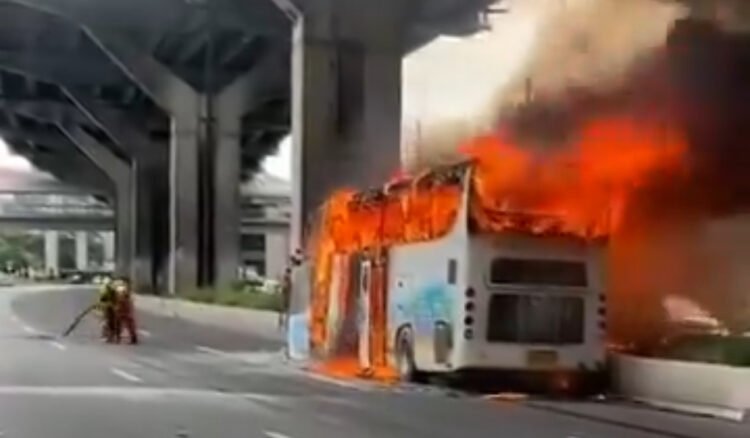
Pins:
x,y
584,185
581,187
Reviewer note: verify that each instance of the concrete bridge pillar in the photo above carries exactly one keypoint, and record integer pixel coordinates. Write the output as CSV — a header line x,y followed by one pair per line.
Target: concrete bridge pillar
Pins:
x,y
204,161
205,165
121,174
52,252
184,268
108,240
346,100
82,250
151,229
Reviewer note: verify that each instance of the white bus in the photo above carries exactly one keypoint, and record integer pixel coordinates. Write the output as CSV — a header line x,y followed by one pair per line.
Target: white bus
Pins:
x,y
473,300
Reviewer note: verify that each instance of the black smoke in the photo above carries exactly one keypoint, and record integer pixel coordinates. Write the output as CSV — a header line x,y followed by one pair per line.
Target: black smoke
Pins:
x,y
698,82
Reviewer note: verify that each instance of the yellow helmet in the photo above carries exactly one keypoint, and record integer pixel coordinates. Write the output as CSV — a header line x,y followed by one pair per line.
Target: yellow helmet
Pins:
x,y
119,285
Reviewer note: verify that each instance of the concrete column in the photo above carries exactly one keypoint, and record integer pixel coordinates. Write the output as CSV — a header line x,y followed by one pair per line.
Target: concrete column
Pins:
x,y
346,98
150,164
82,250
231,104
51,252
160,222
183,270
108,240
122,175
143,260
124,224
204,224
227,201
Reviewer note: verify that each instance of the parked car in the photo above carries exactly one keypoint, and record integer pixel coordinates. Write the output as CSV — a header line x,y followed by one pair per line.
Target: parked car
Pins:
x,y
6,280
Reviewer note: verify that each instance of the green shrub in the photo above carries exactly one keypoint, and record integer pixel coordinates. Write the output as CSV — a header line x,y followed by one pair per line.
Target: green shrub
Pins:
x,y
238,285
249,297
727,350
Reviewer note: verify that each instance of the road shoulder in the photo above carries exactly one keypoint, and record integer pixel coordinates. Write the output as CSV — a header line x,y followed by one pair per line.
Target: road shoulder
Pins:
x,y
259,323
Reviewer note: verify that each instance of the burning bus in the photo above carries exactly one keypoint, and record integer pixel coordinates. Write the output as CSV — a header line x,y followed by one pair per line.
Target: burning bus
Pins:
x,y
424,276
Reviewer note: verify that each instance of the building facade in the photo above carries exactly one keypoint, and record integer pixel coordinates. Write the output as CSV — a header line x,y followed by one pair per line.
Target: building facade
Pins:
x,y
266,215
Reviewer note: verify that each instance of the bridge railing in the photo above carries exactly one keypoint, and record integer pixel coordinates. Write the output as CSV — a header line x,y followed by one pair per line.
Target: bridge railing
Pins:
x,y
54,210
249,212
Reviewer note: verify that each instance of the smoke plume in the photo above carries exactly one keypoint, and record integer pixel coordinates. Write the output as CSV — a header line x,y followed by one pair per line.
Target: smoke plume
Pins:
x,y
684,234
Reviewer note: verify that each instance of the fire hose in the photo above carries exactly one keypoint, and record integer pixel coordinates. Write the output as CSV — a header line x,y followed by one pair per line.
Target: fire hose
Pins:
x,y
78,319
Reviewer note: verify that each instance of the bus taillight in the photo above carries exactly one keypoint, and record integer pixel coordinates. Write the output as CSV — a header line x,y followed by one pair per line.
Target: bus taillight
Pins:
x,y
468,333
469,314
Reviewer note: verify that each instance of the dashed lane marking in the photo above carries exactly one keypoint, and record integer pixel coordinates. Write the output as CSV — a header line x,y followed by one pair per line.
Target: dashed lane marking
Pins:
x,y
210,350
60,346
14,318
28,329
126,375
144,333
272,434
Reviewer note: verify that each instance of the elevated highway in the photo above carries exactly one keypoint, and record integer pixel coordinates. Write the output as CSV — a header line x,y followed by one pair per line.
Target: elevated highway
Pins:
x,y
164,105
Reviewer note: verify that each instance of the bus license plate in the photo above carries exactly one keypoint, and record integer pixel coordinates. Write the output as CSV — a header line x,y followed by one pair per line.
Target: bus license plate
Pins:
x,y
541,358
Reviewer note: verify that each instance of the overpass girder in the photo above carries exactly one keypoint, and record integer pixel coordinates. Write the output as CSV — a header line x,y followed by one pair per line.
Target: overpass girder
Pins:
x,y
58,68
49,139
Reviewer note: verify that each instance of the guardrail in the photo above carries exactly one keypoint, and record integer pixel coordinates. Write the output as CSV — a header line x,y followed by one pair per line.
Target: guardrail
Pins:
x,y
699,388
54,211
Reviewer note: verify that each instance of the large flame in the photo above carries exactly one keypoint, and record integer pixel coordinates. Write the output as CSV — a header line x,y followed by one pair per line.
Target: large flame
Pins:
x,y
581,187
585,183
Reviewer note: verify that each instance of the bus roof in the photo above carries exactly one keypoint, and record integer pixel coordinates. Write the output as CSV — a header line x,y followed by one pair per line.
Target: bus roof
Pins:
x,y
450,175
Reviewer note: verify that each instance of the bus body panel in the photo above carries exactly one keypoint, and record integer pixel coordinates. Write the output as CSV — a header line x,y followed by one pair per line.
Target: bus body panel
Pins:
x,y
445,292
538,330
423,294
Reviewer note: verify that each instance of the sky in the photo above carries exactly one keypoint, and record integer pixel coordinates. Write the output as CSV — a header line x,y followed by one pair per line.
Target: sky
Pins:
x,y
448,78
10,161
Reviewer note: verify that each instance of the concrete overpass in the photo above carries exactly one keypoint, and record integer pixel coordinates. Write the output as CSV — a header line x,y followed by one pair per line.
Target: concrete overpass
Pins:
x,y
165,105
24,182
38,202
32,200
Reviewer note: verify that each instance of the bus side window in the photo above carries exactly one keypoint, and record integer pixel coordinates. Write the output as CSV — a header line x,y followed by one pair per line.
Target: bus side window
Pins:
x,y
452,271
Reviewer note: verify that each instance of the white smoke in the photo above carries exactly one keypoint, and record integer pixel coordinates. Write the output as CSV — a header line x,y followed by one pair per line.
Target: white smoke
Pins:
x,y
577,43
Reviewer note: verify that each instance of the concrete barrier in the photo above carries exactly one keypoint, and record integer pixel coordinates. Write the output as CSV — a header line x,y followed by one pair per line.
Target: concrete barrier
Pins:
x,y
259,323
698,388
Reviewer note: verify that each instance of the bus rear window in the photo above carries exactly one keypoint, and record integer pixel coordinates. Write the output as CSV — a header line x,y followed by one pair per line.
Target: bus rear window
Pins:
x,y
538,272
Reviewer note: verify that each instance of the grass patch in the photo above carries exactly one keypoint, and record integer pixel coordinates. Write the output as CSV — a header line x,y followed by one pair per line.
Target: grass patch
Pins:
x,y
726,350
246,297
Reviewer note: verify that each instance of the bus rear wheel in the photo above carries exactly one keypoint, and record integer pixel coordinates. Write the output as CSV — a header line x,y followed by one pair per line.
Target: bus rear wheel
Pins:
x,y
407,369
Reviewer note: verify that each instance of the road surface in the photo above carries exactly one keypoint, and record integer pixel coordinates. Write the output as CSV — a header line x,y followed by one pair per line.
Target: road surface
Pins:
x,y
187,380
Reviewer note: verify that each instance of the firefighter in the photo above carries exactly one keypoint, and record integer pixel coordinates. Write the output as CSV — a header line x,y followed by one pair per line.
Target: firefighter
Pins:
x,y
125,312
107,302
286,293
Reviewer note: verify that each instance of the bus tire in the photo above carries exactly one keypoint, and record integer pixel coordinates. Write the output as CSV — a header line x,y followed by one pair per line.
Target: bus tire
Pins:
x,y
405,364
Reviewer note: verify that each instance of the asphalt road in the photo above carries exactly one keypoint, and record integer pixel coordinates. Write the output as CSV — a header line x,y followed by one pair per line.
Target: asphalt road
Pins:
x,y
187,380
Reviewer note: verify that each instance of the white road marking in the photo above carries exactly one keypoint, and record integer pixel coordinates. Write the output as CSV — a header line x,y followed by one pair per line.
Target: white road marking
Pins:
x,y
28,329
125,375
60,346
13,318
210,350
272,434
144,333
132,392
